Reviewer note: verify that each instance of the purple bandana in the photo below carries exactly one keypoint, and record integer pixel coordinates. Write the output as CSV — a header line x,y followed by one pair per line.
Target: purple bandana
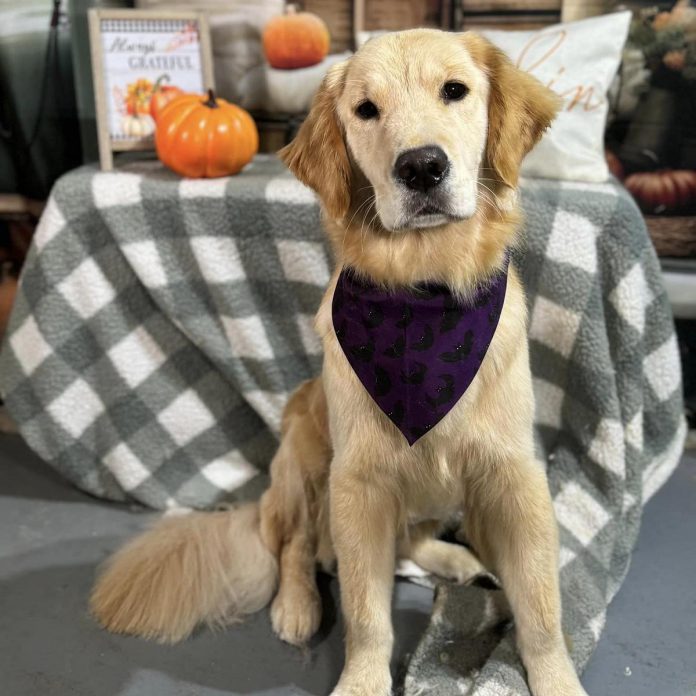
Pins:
x,y
416,352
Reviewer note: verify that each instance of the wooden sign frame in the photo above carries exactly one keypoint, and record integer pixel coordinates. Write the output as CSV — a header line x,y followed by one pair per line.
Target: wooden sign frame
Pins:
x,y
176,23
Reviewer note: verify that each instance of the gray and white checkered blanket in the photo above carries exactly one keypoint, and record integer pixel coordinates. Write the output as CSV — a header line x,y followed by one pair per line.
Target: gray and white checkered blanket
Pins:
x,y
161,324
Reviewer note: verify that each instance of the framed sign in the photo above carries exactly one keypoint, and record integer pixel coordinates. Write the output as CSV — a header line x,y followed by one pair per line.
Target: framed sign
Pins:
x,y
138,59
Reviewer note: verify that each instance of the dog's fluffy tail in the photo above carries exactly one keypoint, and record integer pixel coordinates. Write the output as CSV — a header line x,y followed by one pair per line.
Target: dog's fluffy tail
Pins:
x,y
206,567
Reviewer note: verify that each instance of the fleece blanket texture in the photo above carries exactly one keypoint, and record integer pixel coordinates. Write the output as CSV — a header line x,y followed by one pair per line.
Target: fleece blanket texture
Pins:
x,y
161,323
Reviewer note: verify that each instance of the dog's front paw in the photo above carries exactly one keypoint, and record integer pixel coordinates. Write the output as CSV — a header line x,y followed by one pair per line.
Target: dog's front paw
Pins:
x,y
564,687
555,677
361,690
372,684
296,614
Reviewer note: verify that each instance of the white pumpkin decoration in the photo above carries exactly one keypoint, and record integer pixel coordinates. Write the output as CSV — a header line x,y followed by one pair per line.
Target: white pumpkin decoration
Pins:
x,y
285,91
138,126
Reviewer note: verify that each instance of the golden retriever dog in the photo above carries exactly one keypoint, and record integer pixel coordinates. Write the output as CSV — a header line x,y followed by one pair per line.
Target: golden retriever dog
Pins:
x,y
413,146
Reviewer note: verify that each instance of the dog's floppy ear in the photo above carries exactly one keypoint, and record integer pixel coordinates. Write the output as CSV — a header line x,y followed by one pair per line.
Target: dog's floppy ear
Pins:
x,y
317,156
520,109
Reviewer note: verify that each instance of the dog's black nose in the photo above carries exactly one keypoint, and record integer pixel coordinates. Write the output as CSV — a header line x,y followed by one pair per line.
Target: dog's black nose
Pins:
x,y
422,168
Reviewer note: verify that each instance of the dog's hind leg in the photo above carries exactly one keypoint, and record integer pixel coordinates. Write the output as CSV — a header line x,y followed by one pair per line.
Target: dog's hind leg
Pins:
x,y
449,561
296,609
291,514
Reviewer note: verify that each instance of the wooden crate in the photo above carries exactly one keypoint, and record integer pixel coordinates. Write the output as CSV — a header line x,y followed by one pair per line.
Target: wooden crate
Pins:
x,y
276,130
14,206
673,235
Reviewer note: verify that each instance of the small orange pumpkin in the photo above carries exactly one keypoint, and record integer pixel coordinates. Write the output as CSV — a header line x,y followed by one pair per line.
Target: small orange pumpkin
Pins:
x,y
162,94
205,137
295,40
8,290
614,164
665,190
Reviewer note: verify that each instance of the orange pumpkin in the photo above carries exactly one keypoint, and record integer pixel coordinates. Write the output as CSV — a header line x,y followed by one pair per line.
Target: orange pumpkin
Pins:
x,y
8,290
295,40
205,137
161,96
665,190
614,164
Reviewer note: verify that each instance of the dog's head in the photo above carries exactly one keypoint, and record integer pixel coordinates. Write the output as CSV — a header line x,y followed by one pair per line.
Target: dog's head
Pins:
x,y
417,129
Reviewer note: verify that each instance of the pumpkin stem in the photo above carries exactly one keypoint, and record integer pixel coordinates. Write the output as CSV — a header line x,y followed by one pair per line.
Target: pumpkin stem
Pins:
x,y
162,78
211,102
290,9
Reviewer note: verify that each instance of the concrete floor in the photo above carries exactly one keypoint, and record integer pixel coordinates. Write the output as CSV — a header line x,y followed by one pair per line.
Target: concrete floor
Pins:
x,y
52,537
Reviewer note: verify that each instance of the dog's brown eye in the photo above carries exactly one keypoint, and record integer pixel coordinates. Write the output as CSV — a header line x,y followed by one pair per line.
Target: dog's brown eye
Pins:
x,y
367,110
454,91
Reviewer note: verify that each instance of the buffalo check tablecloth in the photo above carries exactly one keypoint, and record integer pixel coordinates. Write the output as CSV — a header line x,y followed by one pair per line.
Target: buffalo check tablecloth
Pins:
x,y
161,323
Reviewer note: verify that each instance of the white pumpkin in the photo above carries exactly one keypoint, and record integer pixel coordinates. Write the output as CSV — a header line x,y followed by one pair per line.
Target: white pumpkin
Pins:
x,y
140,126
285,91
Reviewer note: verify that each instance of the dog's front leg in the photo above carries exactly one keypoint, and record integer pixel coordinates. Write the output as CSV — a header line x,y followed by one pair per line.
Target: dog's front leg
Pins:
x,y
363,529
514,528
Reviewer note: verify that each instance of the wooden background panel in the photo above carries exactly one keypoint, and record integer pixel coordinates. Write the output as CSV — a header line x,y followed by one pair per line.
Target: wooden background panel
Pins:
x,y
517,23
506,14
391,15
490,6
580,9
338,15
346,17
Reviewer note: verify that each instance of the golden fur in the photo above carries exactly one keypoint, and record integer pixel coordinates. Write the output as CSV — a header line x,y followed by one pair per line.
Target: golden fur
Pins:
x,y
345,485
